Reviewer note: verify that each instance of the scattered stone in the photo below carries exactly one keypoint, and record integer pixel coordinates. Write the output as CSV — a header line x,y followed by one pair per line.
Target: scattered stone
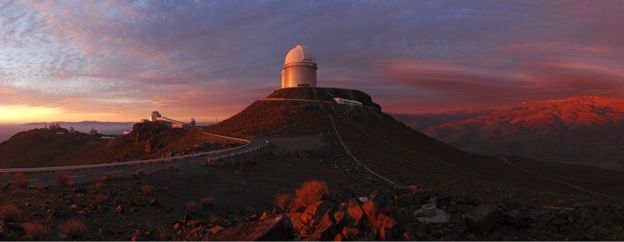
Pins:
x,y
518,218
278,228
154,202
482,218
409,236
436,215
119,209
214,230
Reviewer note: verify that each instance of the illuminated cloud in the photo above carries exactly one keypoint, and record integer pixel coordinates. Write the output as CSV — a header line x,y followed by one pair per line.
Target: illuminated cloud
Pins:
x,y
209,59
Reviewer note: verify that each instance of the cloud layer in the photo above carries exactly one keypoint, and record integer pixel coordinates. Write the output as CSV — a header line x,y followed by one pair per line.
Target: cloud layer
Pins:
x,y
209,59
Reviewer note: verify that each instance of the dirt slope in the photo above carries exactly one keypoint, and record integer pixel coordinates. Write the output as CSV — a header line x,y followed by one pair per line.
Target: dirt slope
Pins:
x,y
407,156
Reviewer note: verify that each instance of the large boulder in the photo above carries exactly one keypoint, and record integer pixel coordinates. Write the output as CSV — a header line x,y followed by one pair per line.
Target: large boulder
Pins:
x,y
482,218
278,228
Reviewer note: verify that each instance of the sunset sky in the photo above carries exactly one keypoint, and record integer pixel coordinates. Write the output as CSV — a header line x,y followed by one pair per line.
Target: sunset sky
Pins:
x,y
119,60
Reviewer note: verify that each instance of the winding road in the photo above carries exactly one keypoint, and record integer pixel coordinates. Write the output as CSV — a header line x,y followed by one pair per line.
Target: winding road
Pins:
x,y
83,173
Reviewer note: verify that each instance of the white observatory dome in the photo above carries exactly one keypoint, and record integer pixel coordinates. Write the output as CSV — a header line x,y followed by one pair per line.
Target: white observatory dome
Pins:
x,y
299,68
299,54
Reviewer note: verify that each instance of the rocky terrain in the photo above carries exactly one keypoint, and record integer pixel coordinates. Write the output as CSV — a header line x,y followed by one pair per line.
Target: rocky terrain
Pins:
x,y
581,130
331,172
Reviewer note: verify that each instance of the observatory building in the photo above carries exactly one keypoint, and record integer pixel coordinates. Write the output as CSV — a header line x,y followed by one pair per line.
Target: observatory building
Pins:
x,y
299,68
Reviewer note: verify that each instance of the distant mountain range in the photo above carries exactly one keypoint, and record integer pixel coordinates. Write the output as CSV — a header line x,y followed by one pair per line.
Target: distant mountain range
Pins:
x,y
587,130
82,123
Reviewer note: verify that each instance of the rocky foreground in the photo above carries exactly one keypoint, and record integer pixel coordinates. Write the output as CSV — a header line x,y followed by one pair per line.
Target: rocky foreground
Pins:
x,y
408,214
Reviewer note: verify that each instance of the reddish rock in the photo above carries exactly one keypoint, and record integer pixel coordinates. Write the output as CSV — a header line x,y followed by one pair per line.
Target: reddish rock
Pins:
x,y
119,209
338,237
298,225
339,216
371,211
317,210
306,218
385,233
384,221
278,228
355,214
326,228
349,233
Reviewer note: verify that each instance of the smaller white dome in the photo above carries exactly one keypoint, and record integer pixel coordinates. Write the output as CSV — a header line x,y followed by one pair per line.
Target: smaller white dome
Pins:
x,y
299,54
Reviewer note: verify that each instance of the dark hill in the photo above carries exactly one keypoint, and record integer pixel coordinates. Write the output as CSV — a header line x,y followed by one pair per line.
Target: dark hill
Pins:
x,y
152,140
407,156
44,147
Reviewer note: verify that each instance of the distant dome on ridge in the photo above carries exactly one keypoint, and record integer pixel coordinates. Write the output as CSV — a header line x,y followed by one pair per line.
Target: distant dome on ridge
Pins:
x,y
299,54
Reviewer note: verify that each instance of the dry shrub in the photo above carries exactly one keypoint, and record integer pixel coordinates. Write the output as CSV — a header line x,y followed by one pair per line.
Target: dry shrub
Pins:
x,y
65,179
209,201
74,228
283,200
310,192
192,206
191,233
20,179
164,233
10,212
36,231
147,189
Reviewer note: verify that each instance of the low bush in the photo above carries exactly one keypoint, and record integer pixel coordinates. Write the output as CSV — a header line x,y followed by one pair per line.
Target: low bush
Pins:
x,y
66,180
192,206
10,212
209,201
164,233
20,180
310,192
36,231
147,189
283,200
73,228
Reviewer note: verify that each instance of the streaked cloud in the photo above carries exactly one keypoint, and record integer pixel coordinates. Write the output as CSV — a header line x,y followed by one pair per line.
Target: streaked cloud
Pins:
x,y
211,58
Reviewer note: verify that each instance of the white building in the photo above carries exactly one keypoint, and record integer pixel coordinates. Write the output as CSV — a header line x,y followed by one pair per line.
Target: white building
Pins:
x,y
299,68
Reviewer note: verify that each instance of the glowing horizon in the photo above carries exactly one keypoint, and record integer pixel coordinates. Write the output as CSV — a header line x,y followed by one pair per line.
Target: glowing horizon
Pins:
x,y
117,61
